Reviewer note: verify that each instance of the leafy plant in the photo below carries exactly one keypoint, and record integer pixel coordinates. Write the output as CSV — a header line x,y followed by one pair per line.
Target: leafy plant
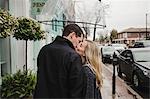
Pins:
x,y
28,29
18,85
7,23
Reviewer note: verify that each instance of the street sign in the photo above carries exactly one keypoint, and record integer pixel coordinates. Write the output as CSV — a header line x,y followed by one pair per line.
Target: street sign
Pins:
x,y
37,6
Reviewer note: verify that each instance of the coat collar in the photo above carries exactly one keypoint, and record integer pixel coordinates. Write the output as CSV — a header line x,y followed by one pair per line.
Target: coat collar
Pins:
x,y
64,41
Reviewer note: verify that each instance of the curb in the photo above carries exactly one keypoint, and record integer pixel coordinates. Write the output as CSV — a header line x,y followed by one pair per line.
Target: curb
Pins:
x,y
134,93
130,90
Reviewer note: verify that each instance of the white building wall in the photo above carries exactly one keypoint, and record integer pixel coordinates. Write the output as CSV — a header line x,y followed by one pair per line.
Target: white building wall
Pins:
x,y
30,59
4,57
20,8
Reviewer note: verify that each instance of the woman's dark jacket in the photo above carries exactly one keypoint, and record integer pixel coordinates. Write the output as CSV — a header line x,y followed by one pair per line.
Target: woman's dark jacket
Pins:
x,y
92,91
59,72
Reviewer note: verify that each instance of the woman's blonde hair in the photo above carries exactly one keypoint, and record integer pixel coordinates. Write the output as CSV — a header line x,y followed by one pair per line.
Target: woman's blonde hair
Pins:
x,y
92,55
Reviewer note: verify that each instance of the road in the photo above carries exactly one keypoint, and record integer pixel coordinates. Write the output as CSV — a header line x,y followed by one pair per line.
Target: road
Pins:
x,y
144,93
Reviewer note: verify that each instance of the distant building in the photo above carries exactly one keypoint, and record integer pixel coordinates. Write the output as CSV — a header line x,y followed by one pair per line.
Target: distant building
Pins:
x,y
131,35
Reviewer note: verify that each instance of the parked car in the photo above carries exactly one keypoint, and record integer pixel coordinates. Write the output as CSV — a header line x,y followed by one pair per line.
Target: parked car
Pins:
x,y
107,54
141,44
135,64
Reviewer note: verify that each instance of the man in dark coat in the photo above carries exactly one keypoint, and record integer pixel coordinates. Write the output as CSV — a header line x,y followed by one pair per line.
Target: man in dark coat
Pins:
x,y
59,72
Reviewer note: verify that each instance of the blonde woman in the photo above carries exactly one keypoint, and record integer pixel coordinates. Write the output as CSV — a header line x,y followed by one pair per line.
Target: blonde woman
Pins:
x,y
92,67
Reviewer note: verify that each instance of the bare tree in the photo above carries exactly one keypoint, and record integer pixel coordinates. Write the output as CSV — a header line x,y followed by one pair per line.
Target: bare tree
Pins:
x,y
84,15
96,15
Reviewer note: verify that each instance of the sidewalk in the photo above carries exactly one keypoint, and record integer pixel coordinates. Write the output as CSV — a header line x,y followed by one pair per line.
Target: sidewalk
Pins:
x,y
122,90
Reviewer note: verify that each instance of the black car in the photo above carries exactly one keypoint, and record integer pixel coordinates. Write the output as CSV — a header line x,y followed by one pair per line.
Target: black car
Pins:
x,y
141,44
135,64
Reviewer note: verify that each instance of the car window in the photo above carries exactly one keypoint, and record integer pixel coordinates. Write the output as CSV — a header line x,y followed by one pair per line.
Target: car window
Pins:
x,y
108,49
129,54
122,54
142,56
126,54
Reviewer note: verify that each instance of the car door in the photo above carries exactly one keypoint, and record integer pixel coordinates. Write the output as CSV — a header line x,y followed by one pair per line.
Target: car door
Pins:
x,y
128,64
125,64
122,61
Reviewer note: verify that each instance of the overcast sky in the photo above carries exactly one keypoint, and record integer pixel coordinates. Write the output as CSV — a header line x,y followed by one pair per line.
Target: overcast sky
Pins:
x,y
123,14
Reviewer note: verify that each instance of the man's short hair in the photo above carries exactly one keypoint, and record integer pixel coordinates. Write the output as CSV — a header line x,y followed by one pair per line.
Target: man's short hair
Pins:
x,y
72,28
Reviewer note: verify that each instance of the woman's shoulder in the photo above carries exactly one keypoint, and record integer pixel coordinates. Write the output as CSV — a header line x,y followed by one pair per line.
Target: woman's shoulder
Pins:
x,y
87,67
88,70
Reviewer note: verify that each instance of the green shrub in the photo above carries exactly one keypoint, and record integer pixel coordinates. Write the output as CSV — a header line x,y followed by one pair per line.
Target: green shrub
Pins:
x,y
28,29
7,23
18,85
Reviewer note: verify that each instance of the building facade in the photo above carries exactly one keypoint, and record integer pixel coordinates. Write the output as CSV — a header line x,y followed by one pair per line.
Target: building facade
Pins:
x,y
131,35
12,51
55,12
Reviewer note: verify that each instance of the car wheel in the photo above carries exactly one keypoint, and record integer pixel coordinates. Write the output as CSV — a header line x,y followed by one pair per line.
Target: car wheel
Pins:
x,y
135,80
119,71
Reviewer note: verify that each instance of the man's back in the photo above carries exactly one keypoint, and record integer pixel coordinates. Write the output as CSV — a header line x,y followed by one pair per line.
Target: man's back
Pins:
x,y
59,71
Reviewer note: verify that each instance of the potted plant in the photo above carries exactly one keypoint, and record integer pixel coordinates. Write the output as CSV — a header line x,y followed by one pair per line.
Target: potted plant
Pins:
x,y
28,29
7,23
18,85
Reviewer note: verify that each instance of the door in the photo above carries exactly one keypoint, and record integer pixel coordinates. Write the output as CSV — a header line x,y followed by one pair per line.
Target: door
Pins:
x,y
125,62
128,64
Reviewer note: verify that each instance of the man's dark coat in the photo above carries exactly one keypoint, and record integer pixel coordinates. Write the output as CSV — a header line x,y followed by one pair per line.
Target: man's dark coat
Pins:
x,y
59,72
